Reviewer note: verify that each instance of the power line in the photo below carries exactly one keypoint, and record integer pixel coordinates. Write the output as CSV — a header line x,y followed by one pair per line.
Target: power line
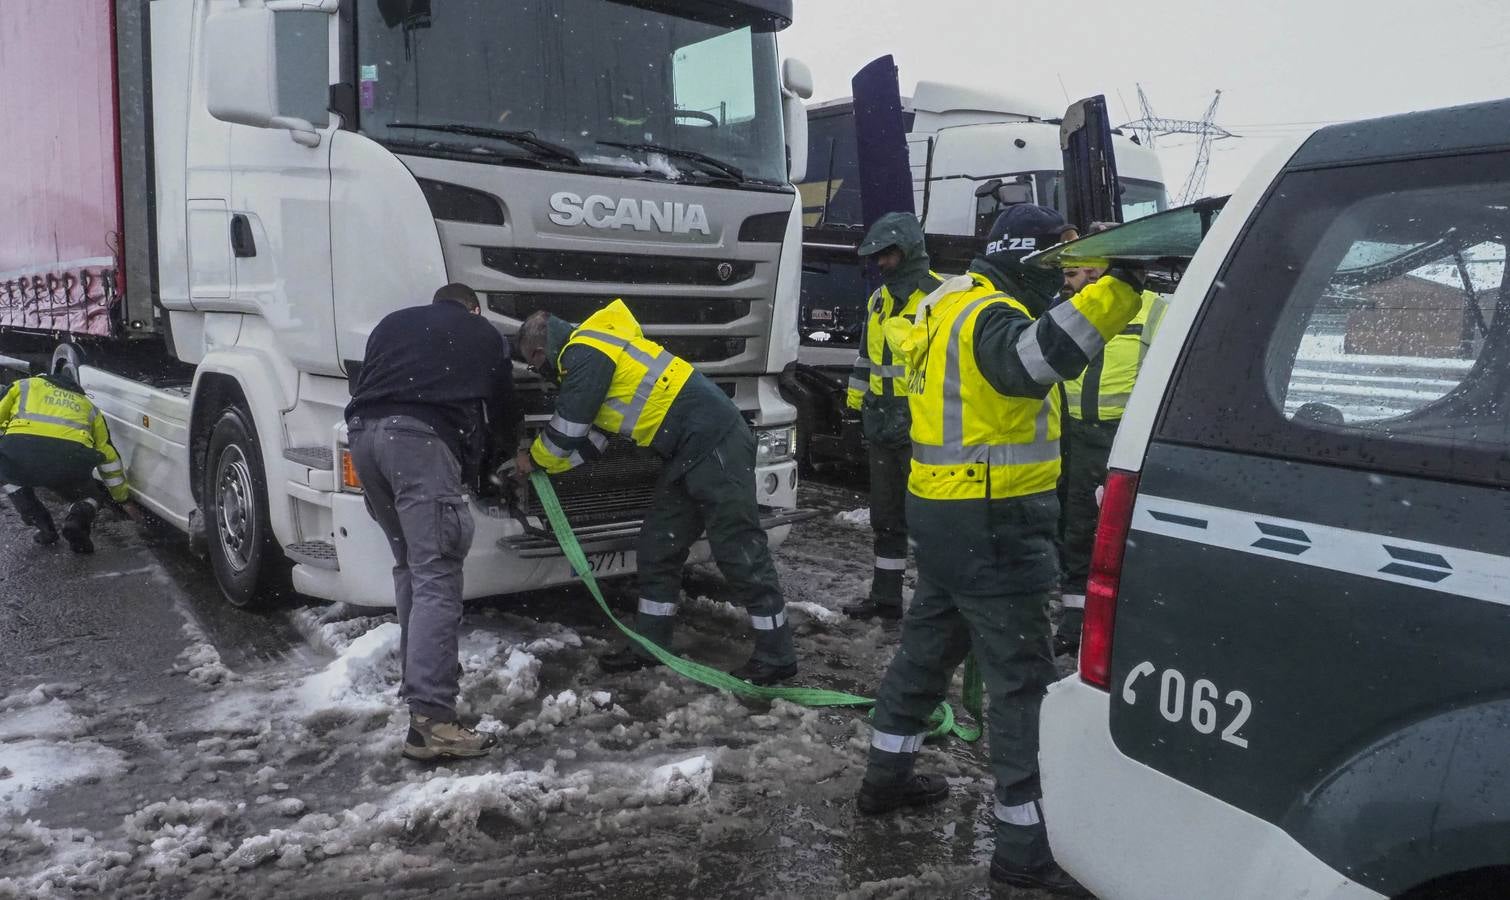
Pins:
x,y
1151,127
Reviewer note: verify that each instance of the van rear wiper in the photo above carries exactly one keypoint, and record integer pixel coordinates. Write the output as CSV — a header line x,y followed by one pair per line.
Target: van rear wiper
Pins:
x,y
711,162
525,139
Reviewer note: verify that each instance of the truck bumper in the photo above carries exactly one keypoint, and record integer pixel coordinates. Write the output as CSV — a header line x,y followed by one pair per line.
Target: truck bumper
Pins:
x,y
1130,832
506,558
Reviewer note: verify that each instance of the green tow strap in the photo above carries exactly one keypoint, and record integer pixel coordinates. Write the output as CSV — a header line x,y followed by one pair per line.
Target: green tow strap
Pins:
x,y
943,720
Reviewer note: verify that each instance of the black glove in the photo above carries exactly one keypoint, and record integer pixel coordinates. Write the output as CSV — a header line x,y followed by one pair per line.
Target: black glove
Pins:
x,y
1134,276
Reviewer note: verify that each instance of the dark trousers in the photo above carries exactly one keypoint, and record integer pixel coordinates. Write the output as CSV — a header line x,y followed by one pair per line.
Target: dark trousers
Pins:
x,y
1009,634
716,494
66,468
1090,447
413,488
886,423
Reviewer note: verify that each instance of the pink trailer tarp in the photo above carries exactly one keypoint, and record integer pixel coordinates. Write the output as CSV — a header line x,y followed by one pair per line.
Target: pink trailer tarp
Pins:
x,y
60,202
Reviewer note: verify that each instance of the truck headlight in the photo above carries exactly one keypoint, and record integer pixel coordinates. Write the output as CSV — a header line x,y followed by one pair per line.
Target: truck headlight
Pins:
x,y
775,445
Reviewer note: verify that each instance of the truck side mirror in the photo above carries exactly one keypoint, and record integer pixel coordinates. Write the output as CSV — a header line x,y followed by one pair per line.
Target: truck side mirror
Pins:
x,y
241,50
989,188
796,86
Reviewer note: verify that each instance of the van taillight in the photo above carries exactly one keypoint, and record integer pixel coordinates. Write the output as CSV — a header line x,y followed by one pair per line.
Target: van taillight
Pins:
x,y
1106,576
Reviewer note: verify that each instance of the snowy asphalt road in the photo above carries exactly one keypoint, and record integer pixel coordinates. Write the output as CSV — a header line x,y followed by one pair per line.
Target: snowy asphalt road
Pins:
x,y
156,742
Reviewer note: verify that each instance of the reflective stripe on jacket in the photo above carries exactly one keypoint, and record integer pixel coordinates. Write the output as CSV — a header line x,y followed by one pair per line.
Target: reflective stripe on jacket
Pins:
x,y
972,441
877,370
39,408
1101,392
646,379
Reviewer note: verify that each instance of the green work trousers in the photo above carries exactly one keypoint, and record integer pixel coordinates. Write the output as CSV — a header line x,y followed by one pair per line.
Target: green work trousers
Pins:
x,y
1007,629
886,423
716,494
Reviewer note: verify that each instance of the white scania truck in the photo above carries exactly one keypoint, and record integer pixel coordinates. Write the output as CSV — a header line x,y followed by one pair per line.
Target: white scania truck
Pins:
x,y
216,200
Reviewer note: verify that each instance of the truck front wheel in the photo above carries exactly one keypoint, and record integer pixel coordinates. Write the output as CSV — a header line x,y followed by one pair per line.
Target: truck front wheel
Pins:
x,y
249,566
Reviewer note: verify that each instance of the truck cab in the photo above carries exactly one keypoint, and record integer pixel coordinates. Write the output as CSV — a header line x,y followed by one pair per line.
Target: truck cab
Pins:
x,y
970,155
292,171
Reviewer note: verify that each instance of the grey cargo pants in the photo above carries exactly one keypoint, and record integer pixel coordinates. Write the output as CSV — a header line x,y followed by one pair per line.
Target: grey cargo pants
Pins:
x,y
412,484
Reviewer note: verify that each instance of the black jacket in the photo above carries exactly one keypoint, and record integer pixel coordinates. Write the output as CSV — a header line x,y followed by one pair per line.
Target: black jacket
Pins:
x,y
446,367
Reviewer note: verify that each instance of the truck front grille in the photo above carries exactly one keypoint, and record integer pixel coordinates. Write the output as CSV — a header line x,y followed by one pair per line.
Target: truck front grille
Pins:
x,y
619,487
616,268
647,310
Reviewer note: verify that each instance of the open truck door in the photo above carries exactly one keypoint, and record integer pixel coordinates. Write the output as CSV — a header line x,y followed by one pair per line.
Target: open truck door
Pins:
x,y
835,282
1092,192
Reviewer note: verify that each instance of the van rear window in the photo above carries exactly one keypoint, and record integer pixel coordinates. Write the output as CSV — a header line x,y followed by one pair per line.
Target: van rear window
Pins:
x,y
1363,320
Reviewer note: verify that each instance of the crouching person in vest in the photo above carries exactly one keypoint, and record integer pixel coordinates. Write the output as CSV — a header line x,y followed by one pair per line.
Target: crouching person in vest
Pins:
x,y
983,360
55,438
878,392
614,381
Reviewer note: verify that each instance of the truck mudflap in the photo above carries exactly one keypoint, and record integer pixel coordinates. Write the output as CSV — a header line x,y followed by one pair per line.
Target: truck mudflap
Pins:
x,y
536,543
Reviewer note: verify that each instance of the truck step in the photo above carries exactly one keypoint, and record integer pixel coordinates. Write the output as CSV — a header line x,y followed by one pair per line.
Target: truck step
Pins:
x,y
315,554
322,458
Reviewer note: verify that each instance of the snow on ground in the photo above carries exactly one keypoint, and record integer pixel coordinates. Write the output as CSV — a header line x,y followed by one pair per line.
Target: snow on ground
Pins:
x,y
200,660
53,719
30,768
855,518
285,778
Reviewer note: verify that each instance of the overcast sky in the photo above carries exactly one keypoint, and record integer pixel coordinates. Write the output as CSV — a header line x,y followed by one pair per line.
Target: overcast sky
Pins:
x,y
1278,63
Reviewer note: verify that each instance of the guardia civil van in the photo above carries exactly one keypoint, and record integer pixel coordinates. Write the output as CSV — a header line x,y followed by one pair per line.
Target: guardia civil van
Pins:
x,y
1295,674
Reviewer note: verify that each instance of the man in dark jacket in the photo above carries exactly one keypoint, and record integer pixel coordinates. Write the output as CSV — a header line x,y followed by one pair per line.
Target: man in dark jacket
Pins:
x,y
435,382
616,381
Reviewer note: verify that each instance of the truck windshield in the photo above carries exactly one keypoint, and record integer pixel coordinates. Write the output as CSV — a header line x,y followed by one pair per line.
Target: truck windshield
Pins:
x,y
624,87
1139,198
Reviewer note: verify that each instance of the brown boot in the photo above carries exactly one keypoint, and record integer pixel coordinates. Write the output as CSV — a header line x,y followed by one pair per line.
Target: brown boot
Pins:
x,y
431,740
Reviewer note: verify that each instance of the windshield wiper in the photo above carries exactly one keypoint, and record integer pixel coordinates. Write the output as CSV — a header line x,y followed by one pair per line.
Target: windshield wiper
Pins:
x,y
711,162
525,139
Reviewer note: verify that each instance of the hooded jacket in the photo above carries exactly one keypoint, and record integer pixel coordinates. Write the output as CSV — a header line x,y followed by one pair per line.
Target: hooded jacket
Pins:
x,y
903,231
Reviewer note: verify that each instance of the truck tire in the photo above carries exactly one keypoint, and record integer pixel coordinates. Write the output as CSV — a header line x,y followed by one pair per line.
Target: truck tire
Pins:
x,y
249,565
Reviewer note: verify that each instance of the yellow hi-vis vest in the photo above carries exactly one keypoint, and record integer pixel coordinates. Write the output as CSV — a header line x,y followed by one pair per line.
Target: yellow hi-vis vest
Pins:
x,y
875,370
970,442
646,377
36,407
1120,363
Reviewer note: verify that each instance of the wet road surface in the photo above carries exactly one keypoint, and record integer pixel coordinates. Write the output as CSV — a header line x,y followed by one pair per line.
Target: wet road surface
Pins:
x,y
155,741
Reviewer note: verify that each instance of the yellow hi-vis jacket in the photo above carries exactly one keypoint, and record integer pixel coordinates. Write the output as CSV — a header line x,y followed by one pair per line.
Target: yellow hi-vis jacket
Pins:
x,y
1101,392
646,379
971,440
37,407
876,371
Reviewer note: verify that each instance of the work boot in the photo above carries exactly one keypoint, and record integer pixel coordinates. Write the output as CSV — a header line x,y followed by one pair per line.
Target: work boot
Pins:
x,y
33,512
626,659
764,674
870,609
1048,877
431,740
76,527
917,790
46,534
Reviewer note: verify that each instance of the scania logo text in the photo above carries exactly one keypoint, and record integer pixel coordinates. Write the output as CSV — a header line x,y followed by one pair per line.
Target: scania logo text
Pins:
x,y
597,211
